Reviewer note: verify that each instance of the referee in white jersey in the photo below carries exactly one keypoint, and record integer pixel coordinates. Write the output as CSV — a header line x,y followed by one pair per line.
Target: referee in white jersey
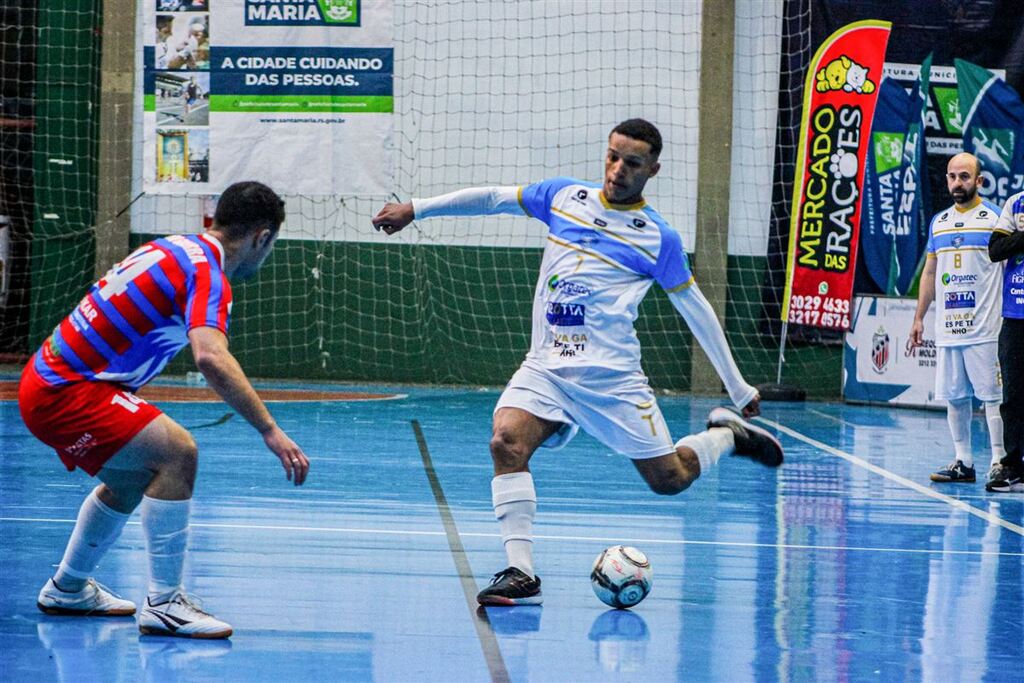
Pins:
x,y
605,247
968,286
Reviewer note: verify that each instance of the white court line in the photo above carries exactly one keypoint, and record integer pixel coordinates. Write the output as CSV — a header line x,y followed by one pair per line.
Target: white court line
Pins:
x,y
552,537
860,462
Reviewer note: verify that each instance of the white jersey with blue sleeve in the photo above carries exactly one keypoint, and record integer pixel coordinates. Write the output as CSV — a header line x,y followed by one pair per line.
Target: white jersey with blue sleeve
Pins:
x,y
599,261
968,286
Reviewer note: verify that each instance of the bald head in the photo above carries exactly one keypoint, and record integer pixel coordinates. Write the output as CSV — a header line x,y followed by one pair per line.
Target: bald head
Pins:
x,y
963,178
965,158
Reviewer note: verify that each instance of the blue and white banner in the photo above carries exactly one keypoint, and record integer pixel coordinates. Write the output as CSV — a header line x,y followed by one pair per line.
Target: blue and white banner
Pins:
x,y
895,228
297,94
879,365
993,125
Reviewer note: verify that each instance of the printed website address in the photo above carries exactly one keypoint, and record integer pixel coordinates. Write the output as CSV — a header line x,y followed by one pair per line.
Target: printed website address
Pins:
x,y
300,120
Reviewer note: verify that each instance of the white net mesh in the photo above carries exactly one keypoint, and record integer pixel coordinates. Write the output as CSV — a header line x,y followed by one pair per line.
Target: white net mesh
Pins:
x,y
486,93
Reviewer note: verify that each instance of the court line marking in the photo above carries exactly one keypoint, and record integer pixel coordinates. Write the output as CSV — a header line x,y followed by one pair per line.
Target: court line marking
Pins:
x,y
607,540
892,476
482,623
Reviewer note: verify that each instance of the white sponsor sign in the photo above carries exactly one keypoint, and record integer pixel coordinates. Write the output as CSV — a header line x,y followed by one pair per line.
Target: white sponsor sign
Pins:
x,y
298,94
879,366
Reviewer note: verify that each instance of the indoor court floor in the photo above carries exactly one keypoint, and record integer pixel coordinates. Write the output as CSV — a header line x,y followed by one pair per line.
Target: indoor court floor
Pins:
x,y
844,564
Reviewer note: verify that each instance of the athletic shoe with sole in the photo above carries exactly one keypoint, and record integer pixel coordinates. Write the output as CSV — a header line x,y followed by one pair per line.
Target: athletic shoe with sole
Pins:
x,y
955,472
180,616
94,600
1003,479
750,440
511,587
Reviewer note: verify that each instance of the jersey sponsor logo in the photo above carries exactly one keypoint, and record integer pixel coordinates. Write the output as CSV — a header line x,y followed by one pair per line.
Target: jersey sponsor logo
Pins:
x,y
85,443
958,224
944,216
957,279
600,223
639,224
580,197
568,287
566,315
982,214
194,251
960,299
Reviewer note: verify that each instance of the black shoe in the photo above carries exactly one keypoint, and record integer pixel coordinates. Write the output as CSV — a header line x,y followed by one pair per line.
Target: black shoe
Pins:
x,y
1003,479
750,439
511,587
955,472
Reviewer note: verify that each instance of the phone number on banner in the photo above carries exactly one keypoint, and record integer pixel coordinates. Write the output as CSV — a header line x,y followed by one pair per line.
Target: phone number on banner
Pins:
x,y
822,311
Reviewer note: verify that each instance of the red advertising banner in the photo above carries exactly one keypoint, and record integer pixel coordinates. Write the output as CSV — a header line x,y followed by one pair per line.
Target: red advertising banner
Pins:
x,y
839,104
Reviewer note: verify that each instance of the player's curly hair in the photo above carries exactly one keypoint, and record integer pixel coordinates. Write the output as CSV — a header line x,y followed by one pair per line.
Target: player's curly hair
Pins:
x,y
247,207
640,129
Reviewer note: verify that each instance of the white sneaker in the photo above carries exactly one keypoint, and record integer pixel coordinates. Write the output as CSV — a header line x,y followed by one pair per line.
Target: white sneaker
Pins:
x,y
180,615
94,600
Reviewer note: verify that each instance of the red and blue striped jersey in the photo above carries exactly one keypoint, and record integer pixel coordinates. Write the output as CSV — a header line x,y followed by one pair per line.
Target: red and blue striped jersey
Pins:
x,y
137,317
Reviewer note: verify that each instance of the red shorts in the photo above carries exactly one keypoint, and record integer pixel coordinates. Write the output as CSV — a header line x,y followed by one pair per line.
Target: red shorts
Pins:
x,y
85,422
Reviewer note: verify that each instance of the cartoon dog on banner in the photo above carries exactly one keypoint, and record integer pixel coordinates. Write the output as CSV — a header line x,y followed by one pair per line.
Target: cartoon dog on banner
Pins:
x,y
843,73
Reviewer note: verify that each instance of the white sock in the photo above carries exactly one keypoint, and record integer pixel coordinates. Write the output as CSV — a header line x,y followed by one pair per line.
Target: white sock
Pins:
x,y
995,431
958,415
515,506
709,446
97,528
165,526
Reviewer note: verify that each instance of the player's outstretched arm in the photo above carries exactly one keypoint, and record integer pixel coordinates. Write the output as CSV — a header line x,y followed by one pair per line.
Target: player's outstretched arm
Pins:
x,y
703,323
473,201
225,376
925,297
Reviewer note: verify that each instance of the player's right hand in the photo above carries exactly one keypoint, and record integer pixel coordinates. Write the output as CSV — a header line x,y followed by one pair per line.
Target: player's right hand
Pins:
x,y
393,217
294,461
916,334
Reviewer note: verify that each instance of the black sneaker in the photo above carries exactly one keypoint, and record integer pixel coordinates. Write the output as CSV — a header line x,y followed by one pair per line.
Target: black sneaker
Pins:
x,y
511,587
955,472
750,439
1004,479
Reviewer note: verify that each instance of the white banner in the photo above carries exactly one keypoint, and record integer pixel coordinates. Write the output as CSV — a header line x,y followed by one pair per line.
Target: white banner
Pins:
x,y
878,364
296,94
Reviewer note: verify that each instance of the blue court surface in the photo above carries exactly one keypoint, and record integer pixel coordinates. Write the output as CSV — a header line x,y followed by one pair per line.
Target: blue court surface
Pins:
x,y
844,564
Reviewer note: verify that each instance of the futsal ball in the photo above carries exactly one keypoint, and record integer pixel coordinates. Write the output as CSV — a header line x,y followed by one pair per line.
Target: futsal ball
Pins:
x,y
621,576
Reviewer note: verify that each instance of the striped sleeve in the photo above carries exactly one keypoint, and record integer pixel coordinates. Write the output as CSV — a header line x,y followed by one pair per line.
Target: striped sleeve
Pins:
x,y
208,299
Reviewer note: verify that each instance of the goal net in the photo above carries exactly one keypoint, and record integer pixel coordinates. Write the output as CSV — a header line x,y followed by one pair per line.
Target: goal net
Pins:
x,y
486,93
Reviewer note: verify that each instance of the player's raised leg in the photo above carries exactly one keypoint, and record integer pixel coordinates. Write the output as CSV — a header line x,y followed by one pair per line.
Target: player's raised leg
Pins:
x,y
727,434
167,453
516,435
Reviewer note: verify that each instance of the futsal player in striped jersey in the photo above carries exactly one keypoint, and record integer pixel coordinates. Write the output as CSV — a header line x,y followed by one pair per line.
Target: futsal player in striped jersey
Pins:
x,y
605,248
966,286
77,395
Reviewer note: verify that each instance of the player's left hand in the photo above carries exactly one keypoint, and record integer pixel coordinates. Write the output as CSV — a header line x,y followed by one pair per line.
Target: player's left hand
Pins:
x,y
393,217
294,461
753,408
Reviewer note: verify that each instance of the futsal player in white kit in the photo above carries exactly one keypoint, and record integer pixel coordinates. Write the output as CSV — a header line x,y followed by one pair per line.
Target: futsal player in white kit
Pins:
x,y
959,274
605,247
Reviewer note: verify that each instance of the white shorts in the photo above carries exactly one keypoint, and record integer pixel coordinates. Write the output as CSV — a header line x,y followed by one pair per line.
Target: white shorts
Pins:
x,y
616,408
963,370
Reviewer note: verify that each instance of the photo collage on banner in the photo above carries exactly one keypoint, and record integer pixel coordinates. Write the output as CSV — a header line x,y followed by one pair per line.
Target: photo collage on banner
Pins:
x,y
181,91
